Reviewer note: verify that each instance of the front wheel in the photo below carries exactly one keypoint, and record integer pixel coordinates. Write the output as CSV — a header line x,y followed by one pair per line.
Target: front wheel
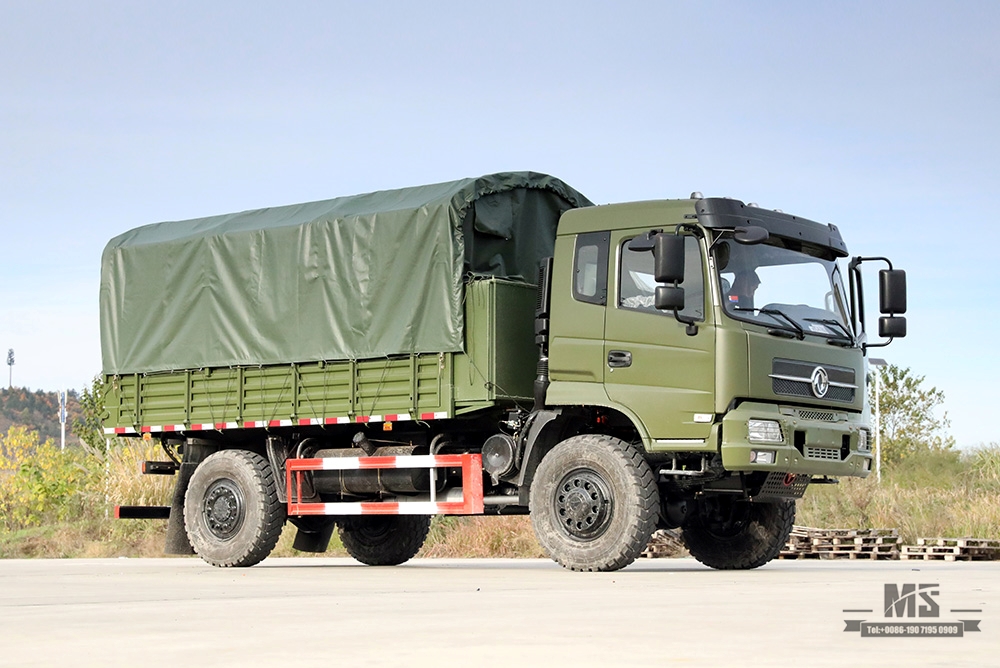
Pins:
x,y
231,509
594,503
383,540
730,534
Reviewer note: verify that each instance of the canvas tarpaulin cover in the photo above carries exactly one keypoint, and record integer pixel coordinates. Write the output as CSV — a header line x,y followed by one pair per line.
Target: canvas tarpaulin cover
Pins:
x,y
348,278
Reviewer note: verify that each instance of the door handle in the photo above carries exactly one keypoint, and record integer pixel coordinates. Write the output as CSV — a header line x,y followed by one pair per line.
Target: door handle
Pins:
x,y
618,359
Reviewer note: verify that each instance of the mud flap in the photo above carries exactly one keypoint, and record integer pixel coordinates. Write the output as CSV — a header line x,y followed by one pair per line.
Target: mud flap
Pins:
x,y
195,450
177,540
312,533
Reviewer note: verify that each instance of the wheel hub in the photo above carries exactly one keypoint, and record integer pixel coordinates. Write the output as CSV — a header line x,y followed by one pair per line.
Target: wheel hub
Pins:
x,y
224,509
583,504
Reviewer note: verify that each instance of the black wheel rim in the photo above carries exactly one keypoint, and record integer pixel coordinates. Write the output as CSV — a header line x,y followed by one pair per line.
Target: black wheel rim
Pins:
x,y
583,504
224,509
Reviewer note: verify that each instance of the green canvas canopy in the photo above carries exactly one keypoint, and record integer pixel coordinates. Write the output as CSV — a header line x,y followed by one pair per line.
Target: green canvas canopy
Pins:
x,y
347,278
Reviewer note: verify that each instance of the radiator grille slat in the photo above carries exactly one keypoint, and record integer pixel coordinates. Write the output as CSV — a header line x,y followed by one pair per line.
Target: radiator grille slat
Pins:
x,y
794,380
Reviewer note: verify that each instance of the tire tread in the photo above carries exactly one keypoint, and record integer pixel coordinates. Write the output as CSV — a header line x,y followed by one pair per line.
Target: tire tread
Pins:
x,y
640,527
744,551
265,535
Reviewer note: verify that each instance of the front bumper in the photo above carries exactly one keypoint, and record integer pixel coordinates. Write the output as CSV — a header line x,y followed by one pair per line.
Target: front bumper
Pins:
x,y
812,441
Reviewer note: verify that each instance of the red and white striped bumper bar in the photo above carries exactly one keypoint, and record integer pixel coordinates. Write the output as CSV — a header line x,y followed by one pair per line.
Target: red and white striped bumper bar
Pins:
x,y
265,424
472,485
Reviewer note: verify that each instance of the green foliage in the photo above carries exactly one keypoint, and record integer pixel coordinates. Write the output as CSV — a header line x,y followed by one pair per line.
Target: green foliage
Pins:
x,y
930,469
89,424
910,423
984,468
40,482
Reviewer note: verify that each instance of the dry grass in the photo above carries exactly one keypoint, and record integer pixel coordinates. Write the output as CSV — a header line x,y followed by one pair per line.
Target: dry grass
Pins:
x,y
940,494
123,483
476,537
91,538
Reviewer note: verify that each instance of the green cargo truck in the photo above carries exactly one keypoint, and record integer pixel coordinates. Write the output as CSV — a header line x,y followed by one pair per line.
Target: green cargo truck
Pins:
x,y
491,346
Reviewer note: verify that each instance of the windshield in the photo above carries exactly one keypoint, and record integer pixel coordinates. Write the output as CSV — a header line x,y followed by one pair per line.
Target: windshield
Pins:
x,y
783,284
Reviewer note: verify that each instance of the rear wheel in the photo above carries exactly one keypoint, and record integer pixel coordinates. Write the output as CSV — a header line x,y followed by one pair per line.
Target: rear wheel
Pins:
x,y
232,514
594,503
383,540
733,534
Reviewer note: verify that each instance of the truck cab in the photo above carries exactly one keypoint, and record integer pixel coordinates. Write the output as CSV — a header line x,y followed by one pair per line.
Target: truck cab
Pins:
x,y
762,364
727,343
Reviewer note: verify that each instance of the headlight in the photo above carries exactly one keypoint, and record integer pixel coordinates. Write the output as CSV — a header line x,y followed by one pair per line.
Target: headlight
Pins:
x,y
764,431
863,444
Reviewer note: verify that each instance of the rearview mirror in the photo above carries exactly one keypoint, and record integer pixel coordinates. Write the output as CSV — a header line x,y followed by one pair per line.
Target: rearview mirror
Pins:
x,y
892,291
668,258
669,298
891,327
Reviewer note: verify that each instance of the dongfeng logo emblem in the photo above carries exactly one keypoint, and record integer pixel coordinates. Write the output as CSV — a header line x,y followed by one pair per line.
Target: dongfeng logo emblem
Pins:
x,y
820,382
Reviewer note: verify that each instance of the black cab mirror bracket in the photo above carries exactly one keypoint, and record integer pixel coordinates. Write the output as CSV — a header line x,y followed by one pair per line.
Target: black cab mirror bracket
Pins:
x,y
751,235
892,300
668,267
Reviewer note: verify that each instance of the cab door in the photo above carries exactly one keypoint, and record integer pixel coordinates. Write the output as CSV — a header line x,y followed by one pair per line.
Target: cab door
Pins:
x,y
652,366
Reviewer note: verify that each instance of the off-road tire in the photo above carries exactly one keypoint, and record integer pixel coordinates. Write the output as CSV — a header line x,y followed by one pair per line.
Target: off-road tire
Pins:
x,y
753,539
594,503
232,514
383,540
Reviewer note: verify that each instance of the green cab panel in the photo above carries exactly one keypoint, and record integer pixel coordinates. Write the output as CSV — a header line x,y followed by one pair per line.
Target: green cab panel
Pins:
x,y
652,365
576,343
619,351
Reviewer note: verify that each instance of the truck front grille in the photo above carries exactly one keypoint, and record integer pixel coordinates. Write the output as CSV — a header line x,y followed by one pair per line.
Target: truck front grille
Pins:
x,y
794,378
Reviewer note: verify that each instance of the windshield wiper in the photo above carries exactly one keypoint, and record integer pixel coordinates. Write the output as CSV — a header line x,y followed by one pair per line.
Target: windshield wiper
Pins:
x,y
796,328
846,341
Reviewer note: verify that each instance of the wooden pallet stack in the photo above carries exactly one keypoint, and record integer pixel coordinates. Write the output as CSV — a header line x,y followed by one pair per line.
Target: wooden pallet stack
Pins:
x,y
813,543
953,549
665,543
881,544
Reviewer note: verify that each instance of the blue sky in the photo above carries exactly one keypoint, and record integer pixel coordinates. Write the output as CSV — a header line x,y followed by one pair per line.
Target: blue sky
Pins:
x,y
879,117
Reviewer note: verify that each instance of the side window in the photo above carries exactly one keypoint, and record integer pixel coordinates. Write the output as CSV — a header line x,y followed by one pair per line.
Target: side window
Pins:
x,y
637,287
590,267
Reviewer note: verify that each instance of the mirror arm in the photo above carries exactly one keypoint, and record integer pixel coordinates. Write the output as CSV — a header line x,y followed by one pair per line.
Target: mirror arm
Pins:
x,y
866,346
691,324
696,230
858,297
858,260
